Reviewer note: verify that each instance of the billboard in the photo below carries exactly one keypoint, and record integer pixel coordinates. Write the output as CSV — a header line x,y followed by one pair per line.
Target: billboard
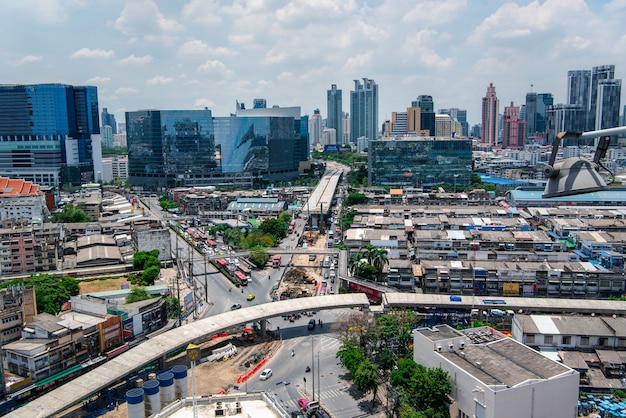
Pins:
x,y
332,148
510,289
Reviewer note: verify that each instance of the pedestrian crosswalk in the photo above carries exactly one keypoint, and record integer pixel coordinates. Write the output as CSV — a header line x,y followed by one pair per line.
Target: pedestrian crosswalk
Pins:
x,y
321,342
325,395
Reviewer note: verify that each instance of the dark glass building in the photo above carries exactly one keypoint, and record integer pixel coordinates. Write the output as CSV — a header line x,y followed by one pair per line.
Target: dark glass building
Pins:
x,y
191,148
47,133
419,162
168,148
427,112
108,119
334,108
364,110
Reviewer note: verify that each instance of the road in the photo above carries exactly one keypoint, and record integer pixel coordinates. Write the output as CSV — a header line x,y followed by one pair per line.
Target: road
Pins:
x,y
332,388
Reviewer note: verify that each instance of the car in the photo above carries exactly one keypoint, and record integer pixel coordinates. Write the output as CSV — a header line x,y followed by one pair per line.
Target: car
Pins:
x,y
235,306
312,257
250,296
311,324
266,374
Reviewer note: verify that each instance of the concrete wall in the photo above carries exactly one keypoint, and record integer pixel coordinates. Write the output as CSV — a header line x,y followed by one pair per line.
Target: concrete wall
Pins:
x,y
155,239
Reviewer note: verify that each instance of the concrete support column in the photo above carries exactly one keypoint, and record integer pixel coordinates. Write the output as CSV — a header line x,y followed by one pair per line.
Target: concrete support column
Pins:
x,y
263,323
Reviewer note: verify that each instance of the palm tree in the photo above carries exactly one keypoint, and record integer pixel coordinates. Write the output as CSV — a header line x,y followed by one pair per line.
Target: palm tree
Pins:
x,y
353,264
379,260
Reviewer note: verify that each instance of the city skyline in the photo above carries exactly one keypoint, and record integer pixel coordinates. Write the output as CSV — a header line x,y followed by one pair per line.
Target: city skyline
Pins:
x,y
146,54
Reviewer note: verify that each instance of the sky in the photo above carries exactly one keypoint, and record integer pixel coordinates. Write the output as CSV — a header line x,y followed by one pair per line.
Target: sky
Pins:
x,y
191,54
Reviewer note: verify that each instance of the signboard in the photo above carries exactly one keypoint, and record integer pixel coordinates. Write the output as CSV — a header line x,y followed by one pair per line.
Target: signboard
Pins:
x,y
510,289
332,148
373,295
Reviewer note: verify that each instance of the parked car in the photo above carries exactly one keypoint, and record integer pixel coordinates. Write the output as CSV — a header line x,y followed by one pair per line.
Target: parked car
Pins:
x,y
266,374
311,324
235,306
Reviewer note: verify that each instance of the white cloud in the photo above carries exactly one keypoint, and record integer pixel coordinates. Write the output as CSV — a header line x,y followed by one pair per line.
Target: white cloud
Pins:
x,y
142,18
202,11
197,47
203,102
358,63
126,90
27,59
135,60
161,80
215,67
93,53
423,45
435,13
98,80
45,11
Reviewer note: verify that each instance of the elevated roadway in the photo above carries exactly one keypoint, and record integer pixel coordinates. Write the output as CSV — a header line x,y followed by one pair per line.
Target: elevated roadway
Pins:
x,y
321,197
535,305
156,349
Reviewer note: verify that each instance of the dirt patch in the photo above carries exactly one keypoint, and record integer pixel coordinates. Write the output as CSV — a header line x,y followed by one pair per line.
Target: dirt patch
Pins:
x,y
100,285
217,376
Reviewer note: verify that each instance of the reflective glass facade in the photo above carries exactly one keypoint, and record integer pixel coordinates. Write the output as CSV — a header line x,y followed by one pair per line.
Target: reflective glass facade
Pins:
x,y
36,123
169,147
266,145
364,110
419,162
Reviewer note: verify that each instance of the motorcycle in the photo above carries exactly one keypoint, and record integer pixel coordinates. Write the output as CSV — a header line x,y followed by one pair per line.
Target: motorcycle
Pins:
x,y
308,369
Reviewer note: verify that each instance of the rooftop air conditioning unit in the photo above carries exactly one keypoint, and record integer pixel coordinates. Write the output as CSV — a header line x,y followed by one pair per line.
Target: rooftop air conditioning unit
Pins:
x,y
451,345
462,345
439,348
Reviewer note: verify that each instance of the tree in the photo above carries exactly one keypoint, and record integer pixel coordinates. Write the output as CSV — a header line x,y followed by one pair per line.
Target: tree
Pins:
x,y
71,214
273,227
285,217
51,293
259,257
366,378
379,260
149,275
137,294
350,355
355,199
233,236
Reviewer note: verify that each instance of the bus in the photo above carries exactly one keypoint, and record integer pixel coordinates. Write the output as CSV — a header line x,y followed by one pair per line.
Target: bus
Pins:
x,y
241,278
222,262
292,226
276,261
211,243
244,269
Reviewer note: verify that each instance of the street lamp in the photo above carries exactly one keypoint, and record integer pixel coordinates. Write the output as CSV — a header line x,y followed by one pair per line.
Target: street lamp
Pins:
x,y
455,176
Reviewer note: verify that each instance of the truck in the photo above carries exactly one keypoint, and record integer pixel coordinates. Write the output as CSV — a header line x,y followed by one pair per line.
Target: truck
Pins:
x,y
276,261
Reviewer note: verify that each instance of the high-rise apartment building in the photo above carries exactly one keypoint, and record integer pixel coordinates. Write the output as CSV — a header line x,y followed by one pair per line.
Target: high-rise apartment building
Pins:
x,y
108,119
490,109
564,118
579,88
513,129
334,108
315,128
601,92
364,110
50,133
608,95
443,126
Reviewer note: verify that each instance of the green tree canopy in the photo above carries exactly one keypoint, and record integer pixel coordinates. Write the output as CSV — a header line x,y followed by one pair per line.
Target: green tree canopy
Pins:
x,y
259,257
274,227
366,377
137,294
71,214
51,292
149,275
355,199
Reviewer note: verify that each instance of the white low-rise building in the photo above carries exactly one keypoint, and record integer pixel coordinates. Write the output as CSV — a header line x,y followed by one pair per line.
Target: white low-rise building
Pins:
x,y
495,376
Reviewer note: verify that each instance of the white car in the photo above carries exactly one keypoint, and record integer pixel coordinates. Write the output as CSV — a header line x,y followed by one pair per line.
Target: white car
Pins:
x,y
266,374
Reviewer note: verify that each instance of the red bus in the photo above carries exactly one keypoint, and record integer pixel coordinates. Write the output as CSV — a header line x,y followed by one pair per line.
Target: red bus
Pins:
x,y
211,243
223,263
243,280
242,268
291,227
276,261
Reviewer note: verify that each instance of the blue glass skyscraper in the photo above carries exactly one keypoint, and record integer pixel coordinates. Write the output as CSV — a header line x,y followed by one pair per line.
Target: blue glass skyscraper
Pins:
x,y
364,110
47,132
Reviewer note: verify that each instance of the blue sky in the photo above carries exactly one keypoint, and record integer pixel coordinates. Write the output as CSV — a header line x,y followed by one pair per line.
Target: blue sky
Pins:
x,y
175,54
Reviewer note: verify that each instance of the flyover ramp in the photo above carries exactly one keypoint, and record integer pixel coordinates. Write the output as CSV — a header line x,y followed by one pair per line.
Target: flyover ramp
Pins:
x,y
154,349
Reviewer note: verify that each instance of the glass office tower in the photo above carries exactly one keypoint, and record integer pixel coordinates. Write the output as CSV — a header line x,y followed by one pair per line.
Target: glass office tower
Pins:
x,y
419,162
47,133
169,148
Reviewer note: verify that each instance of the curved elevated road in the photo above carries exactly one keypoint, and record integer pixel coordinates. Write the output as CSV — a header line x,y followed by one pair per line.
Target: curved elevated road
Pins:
x,y
156,348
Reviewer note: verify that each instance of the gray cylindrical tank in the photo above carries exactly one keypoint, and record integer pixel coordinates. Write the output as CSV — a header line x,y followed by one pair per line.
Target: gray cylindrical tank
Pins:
x,y
166,383
180,381
134,400
152,399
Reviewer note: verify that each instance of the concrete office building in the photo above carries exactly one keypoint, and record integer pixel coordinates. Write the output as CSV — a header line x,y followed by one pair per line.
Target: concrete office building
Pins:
x,y
513,129
315,128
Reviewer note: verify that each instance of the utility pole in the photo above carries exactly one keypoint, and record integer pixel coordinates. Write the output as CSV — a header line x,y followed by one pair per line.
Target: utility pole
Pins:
x,y
206,285
313,365
178,265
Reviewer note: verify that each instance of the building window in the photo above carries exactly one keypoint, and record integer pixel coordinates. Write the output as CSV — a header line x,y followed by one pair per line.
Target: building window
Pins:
x,y
584,340
602,341
530,339
547,339
566,340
